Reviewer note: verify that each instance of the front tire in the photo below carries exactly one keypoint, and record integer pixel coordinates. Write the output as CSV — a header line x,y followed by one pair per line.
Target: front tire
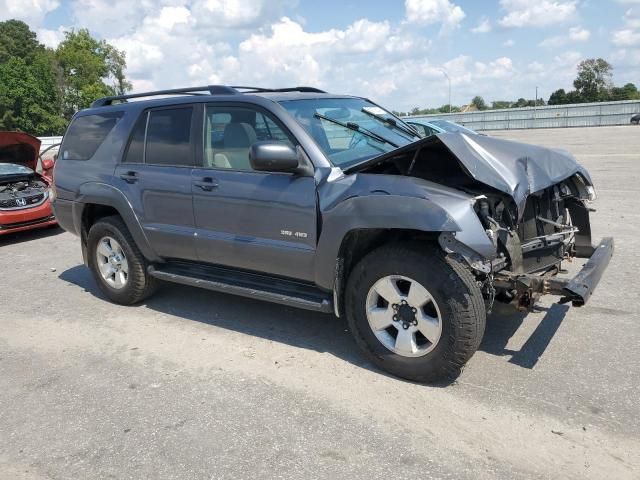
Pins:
x,y
118,266
415,312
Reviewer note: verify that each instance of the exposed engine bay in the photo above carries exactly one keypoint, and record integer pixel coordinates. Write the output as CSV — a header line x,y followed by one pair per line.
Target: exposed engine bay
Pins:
x,y
21,190
532,206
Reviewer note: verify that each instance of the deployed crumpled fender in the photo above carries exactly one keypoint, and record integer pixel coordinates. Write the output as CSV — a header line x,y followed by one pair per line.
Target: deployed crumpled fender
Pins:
x,y
363,201
514,168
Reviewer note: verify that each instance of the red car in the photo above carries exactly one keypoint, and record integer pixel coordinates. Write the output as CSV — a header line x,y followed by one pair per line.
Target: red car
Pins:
x,y
24,193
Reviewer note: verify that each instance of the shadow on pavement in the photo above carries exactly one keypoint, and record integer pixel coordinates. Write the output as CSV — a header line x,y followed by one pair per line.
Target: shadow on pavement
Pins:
x,y
505,321
28,235
310,330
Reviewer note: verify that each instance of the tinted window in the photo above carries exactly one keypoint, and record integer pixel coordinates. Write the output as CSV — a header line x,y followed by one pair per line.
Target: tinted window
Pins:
x,y
135,153
230,132
86,134
169,137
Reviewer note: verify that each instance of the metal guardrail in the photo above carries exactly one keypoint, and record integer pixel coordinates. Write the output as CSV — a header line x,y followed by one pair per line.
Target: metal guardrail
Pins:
x,y
46,141
550,116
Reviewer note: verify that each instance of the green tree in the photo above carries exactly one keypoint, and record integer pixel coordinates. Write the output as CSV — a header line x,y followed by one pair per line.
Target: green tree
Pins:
x,y
27,100
559,97
29,90
40,88
520,103
500,104
630,92
594,79
479,103
17,40
87,65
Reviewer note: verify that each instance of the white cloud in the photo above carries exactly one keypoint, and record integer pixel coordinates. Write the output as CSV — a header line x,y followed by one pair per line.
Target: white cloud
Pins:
x,y
51,38
575,34
235,13
536,13
484,26
509,43
429,12
30,11
629,35
626,38
579,34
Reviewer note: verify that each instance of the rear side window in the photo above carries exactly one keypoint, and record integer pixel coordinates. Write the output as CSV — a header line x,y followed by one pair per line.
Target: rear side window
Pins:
x,y
86,134
169,137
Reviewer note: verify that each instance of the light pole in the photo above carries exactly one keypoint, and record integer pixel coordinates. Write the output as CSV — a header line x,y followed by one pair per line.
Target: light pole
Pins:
x,y
535,106
449,79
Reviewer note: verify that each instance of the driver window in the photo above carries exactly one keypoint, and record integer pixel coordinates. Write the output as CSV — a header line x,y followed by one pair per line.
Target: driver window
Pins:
x,y
230,132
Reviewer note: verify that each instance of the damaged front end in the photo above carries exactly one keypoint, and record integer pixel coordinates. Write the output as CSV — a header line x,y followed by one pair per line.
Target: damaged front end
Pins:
x,y
532,203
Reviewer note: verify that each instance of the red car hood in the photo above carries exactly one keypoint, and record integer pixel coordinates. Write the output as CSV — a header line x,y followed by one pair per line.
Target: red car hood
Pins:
x,y
20,148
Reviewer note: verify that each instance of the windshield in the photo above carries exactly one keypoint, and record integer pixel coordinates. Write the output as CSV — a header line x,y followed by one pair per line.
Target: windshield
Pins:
x,y
13,169
448,126
349,130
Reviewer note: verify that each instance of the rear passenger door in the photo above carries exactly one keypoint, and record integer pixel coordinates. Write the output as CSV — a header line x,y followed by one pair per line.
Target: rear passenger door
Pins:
x,y
247,219
156,177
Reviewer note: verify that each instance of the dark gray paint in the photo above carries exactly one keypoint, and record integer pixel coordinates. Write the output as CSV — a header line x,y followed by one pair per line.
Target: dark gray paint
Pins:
x,y
239,222
514,168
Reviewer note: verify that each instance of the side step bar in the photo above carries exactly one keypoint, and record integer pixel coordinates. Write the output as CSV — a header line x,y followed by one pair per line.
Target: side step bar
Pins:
x,y
246,284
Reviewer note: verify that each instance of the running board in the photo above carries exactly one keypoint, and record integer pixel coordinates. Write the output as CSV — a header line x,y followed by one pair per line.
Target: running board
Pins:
x,y
246,284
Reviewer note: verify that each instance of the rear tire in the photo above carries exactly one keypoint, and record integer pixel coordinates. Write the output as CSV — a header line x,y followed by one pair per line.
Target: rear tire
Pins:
x,y
108,238
442,288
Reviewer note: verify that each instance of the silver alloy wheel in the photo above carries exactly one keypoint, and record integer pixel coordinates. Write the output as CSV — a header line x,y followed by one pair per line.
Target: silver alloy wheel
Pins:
x,y
404,316
112,263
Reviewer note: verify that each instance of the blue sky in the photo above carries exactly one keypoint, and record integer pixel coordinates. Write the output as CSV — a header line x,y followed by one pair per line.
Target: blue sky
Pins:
x,y
392,51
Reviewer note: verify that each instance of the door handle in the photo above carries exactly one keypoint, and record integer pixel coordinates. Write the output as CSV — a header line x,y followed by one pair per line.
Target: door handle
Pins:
x,y
207,183
129,177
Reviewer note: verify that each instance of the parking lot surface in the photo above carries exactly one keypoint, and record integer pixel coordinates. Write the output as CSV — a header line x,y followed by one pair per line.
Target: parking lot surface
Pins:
x,y
194,384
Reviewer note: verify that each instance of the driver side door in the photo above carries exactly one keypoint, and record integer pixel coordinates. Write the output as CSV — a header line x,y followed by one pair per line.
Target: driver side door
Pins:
x,y
246,219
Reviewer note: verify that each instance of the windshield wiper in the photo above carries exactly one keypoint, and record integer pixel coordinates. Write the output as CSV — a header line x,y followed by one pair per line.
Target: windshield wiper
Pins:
x,y
391,122
356,128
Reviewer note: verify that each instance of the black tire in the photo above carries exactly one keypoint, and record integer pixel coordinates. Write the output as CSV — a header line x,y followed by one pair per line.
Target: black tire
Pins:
x,y
455,292
140,284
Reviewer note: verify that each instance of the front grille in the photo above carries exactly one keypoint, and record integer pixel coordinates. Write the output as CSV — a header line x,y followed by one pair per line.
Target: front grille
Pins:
x,y
6,226
30,201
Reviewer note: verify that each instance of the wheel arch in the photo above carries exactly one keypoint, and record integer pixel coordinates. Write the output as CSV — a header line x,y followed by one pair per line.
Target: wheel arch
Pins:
x,y
99,200
358,243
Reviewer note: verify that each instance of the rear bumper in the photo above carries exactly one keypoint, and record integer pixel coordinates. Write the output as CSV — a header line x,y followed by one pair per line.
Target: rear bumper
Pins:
x,y
576,290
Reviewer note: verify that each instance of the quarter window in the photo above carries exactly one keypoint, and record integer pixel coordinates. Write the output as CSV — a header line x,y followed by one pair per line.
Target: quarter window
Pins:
x,y
86,134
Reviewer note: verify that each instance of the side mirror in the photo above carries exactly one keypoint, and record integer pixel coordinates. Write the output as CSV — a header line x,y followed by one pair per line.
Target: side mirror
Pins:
x,y
47,164
269,156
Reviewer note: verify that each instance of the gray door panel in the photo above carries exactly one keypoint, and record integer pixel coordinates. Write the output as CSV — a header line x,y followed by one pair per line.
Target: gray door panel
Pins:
x,y
255,221
161,199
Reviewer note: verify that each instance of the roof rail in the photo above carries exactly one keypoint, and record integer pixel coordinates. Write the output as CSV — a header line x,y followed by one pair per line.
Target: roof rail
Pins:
x,y
206,90
288,89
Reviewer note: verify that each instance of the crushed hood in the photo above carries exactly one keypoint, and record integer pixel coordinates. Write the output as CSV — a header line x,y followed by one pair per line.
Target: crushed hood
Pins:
x,y
19,148
517,169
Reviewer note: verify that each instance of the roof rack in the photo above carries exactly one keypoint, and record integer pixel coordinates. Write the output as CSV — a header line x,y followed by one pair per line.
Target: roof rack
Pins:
x,y
206,90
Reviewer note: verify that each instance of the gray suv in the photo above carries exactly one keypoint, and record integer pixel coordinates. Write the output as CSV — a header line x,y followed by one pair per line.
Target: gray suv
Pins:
x,y
327,203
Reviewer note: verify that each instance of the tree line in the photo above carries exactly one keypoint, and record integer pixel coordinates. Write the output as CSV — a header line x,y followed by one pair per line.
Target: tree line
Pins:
x,y
41,88
593,83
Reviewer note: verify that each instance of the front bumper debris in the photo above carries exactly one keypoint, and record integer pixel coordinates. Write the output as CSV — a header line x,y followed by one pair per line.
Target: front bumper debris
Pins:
x,y
577,290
